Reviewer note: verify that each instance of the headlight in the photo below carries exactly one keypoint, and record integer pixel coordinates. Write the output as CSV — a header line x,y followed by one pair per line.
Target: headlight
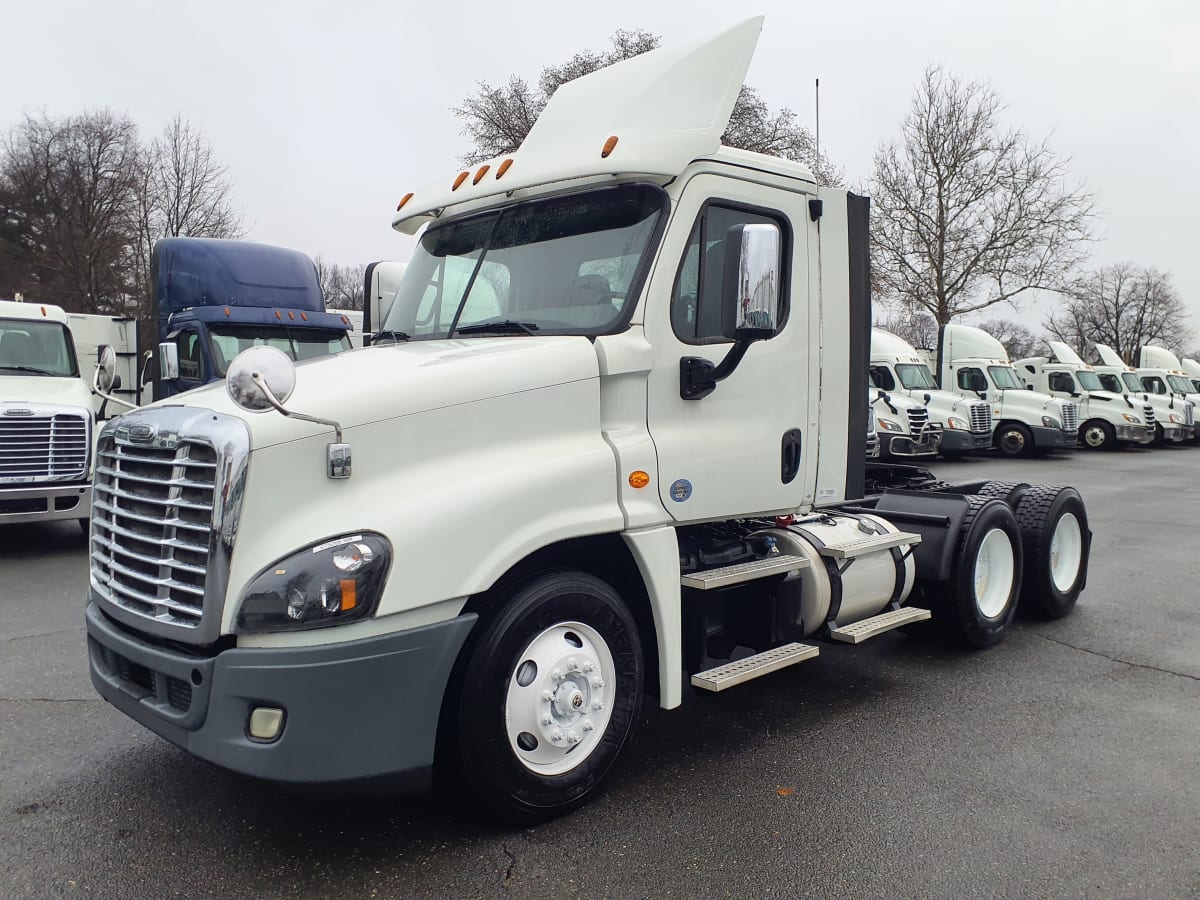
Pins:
x,y
888,425
958,424
1134,419
1178,420
336,581
1051,422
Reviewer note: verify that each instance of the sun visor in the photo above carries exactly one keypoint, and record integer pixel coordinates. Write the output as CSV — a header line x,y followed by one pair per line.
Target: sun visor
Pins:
x,y
664,108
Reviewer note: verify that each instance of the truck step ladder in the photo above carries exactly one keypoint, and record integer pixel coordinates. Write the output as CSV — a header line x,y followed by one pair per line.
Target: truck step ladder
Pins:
x,y
865,629
708,579
868,543
755,666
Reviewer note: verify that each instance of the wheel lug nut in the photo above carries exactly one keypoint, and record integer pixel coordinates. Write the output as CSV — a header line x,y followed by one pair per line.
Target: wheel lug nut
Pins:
x,y
547,719
597,705
587,725
573,664
557,675
556,736
547,696
597,682
573,738
589,666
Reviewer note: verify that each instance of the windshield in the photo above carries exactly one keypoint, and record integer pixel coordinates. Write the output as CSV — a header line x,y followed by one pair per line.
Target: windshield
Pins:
x,y
1179,383
1131,382
915,376
570,265
1088,380
29,347
227,341
1005,378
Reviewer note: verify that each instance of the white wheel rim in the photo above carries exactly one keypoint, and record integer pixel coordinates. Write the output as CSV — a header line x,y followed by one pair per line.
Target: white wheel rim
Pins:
x,y
1066,552
556,718
994,572
1095,436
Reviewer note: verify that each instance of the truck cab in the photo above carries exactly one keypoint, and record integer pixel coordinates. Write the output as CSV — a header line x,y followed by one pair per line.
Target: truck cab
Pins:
x,y
975,365
1174,418
46,418
214,298
898,368
1107,421
1191,369
903,426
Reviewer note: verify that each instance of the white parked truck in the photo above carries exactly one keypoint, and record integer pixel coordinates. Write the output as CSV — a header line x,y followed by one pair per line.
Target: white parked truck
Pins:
x,y
46,418
1191,369
903,427
1174,417
624,453
1107,419
897,367
976,365
1162,375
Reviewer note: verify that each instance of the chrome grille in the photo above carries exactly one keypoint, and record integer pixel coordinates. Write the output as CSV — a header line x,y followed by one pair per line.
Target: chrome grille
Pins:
x,y
1070,417
152,515
1148,410
43,448
918,418
1189,413
981,417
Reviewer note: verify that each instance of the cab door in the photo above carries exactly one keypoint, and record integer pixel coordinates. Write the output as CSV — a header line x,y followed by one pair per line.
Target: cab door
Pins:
x,y
742,449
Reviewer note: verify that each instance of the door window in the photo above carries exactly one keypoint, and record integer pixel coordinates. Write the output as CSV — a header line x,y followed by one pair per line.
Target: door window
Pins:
x,y
696,297
970,379
1063,382
881,377
191,364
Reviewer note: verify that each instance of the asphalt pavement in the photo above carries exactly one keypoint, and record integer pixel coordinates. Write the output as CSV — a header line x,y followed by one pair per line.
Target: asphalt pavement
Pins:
x,y
1064,762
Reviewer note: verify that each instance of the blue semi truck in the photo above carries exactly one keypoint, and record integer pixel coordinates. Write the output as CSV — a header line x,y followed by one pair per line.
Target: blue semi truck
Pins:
x,y
214,298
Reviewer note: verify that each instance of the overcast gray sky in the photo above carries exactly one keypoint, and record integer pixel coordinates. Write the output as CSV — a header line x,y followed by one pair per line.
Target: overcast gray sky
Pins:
x,y
327,113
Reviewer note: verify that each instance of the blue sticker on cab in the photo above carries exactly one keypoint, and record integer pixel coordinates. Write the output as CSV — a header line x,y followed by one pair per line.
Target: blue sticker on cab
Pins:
x,y
681,490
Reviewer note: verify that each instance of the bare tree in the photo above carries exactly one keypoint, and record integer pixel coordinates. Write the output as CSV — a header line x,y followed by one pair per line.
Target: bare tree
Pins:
x,y
918,328
1017,339
496,119
1124,306
342,286
967,215
70,189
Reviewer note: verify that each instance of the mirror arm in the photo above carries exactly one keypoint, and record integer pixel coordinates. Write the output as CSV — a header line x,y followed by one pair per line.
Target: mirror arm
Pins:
x,y
274,401
99,393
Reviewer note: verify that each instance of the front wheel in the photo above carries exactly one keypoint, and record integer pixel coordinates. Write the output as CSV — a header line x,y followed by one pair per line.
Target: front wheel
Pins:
x,y
1013,439
549,696
1097,435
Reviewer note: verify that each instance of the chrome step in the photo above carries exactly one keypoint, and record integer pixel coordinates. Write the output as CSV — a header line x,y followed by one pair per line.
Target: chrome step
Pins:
x,y
708,579
869,543
759,664
865,629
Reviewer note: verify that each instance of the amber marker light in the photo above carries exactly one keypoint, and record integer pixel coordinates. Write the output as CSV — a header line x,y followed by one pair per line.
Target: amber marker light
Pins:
x,y
349,593
609,146
462,176
278,316
504,167
304,316
292,316
479,173
227,312
639,479
403,200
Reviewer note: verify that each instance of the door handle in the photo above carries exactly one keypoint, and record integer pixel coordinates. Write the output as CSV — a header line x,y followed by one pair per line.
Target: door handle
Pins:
x,y
790,455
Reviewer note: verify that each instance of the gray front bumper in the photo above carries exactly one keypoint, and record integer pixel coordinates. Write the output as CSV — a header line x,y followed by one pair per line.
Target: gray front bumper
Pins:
x,y
358,709
902,446
1138,434
44,502
965,441
1053,437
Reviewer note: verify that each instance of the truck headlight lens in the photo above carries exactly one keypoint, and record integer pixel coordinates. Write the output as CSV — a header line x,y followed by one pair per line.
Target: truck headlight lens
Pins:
x,y
888,425
1051,422
957,424
1134,419
336,581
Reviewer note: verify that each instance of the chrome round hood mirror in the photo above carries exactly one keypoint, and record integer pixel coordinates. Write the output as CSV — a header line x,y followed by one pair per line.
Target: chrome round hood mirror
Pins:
x,y
257,368
106,371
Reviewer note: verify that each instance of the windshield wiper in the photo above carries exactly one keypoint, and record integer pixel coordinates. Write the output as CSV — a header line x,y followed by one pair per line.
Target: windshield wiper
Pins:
x,y
506,327
397,336
35,371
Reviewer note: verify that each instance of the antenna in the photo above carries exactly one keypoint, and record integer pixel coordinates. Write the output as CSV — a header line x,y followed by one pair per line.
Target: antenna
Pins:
x,y
817,92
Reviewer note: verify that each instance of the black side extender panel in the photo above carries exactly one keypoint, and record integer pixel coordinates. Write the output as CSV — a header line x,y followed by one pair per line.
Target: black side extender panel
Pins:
x,y
934,556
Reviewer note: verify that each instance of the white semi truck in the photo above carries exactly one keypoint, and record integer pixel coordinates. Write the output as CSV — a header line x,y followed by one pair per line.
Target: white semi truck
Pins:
x,y
623,454
975,365
47,410
1162,374
903,426
1191,369
1108,419
1174,418
897,367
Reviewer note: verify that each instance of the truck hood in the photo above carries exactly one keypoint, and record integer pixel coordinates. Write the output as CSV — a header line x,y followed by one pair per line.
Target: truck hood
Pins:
x,y
1030,401
17,389
358,387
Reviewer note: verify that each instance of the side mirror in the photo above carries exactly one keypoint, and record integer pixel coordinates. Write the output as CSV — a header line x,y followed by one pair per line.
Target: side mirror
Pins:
x,y
750,288
168,360
106,370
259,378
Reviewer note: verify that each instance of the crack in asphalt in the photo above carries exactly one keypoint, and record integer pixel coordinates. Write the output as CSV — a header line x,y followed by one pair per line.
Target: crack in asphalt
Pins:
x,y
22,637
1117,659
512,865
50,700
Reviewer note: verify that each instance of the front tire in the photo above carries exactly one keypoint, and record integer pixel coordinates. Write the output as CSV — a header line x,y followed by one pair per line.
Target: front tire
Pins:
x,y
549,696
1013,439
1098,435
1054,532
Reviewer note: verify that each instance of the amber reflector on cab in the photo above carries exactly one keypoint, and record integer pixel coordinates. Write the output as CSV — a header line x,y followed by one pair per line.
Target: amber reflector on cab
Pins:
x,y
462,176
504,166
609,146
639,479
403,200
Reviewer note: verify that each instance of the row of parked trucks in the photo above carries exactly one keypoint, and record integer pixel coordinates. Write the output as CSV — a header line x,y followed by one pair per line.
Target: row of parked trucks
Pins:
x,y
610,441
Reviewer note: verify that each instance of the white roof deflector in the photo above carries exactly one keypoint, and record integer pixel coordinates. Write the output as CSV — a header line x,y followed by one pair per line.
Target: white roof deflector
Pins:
x,y
1109,356
666,108
1065,354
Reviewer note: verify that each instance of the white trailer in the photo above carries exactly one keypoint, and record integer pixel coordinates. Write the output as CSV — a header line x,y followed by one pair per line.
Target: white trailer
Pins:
x,y
899,368
976,366
620,452
1174,418
1108,420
